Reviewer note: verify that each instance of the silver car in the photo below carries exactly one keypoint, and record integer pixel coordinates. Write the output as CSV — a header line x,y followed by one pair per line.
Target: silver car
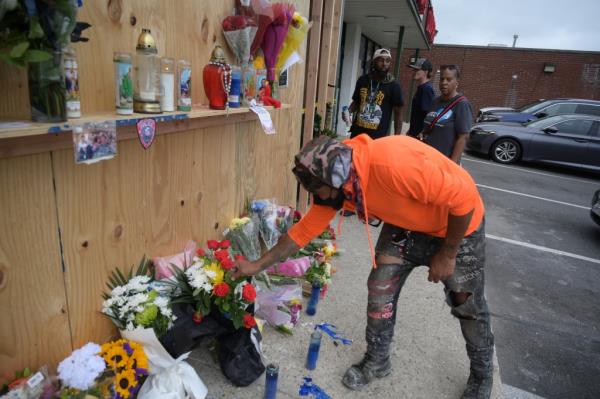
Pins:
x,y
567,140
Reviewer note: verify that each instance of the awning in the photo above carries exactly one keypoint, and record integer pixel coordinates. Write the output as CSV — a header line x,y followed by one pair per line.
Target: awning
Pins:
x,y
380,20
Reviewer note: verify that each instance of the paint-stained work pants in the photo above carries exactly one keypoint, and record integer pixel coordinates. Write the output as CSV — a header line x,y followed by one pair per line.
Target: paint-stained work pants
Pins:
x,y
386,281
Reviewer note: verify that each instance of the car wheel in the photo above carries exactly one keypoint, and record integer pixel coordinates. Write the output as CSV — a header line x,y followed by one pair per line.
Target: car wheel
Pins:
x,y
506,151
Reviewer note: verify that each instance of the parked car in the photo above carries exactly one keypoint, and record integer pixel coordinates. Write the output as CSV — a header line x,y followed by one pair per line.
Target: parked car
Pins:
x,y
595,210
568,140
539,109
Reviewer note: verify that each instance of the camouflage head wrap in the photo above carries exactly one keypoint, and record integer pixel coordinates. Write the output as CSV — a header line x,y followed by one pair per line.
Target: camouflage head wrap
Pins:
x,y
325,159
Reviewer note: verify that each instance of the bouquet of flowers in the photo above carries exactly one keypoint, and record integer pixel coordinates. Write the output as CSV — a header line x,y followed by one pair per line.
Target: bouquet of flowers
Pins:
x,y
296,34
319,273
127,361
243,235
274,220
275,35
206,283
239,31
133,302
280,304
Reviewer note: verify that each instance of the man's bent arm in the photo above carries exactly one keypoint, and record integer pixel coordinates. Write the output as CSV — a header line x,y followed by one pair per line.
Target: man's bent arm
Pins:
x,y
279,253
457,227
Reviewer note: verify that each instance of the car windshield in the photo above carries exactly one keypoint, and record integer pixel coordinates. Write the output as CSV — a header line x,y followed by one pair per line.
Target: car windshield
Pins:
x,y
544,122
533,107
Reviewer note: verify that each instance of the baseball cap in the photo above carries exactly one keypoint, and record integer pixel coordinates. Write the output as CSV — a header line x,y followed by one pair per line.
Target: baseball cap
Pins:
x,y
382,52
421,64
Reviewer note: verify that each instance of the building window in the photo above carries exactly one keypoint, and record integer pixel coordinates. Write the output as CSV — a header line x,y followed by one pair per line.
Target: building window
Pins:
x,y
591,73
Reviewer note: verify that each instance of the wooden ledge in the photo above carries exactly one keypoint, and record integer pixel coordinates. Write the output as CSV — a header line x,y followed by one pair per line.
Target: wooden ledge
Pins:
x,y
42,137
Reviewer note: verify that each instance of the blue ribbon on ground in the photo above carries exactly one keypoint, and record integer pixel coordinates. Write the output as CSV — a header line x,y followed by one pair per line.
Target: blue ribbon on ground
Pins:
x,y
331,330
308,388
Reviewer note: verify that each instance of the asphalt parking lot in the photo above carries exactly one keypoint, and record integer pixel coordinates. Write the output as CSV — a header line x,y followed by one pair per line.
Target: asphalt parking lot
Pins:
x,y
543,277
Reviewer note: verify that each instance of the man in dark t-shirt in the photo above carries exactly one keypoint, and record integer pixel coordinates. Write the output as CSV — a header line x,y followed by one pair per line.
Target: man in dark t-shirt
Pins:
x,y
421,102
376,95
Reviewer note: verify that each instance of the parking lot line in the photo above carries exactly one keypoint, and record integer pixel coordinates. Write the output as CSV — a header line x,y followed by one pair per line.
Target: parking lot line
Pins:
x,y
527,170
544,249
532,196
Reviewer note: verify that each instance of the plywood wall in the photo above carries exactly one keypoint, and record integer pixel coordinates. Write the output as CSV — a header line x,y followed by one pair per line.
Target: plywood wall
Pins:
x,y
188,185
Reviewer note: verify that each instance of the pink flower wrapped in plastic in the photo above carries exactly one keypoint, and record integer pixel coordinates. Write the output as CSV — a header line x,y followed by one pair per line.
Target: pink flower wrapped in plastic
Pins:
x,y
163,265
275,35
291,267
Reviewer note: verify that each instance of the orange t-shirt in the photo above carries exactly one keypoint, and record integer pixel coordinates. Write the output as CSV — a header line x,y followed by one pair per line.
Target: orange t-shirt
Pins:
x,y
405,183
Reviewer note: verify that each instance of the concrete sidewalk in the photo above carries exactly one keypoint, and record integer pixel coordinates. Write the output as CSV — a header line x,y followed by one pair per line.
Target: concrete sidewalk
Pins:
x,y
429,358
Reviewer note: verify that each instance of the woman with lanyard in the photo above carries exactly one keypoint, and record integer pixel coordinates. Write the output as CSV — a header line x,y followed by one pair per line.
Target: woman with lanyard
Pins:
x,y
375,96
449,122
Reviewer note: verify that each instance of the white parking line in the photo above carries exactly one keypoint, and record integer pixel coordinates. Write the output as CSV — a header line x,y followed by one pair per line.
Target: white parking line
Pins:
x,y
543,249
515,393
532,196
527,170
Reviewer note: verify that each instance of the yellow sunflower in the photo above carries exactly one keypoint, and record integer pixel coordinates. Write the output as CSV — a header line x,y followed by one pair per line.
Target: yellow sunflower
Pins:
x,y
116,357
215,272
138,360
123,381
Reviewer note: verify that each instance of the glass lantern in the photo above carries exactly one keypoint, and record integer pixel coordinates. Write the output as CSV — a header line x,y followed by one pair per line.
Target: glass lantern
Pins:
x,y
147,88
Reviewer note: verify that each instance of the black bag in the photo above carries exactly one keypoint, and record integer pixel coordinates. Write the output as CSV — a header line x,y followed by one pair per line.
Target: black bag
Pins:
x,y
185,335
239,356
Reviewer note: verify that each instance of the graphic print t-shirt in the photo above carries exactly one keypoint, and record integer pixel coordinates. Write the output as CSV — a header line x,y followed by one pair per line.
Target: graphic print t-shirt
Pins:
x,y
374,118
456,121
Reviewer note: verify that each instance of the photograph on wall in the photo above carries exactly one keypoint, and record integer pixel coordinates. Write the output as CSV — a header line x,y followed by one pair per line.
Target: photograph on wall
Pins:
x,y
283,79
95,141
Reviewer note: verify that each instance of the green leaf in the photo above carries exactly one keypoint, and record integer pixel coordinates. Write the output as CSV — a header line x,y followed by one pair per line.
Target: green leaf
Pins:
x,y
18,50
35,29
18,62
36,56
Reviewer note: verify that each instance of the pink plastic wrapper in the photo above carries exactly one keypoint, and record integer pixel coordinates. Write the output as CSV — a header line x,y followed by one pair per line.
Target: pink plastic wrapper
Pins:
x,y
291,267
181,260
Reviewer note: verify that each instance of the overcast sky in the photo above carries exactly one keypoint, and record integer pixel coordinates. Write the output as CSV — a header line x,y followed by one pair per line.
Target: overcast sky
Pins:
x,y
555,24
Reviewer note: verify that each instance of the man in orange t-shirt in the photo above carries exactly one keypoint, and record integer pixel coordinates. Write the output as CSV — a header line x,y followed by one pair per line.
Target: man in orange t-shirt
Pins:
x,y
433,216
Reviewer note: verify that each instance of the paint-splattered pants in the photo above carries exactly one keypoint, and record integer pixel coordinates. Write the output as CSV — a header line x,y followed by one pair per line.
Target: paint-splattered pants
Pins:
x,y
385,283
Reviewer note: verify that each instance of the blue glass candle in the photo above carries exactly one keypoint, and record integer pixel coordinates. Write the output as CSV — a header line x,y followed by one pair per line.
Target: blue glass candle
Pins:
x,y
236,86
271,375
313,350
311,309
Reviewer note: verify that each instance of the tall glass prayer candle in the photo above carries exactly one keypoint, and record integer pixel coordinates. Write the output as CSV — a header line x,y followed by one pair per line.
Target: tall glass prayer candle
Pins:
x,y
313,350
167,82
123,83
271,376
184,73
72,82
311,309
146,93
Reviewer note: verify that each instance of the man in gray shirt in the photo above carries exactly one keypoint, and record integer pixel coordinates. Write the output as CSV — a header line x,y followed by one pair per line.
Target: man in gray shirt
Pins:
x,y
450,132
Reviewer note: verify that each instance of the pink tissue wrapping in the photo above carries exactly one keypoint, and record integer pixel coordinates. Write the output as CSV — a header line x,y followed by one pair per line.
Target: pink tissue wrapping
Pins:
x,y
291,267
181,260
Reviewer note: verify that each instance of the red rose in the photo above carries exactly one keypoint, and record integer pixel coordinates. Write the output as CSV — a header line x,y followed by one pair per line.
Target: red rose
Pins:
x,y
249,321
297,216
221,255
221,290
226,263
197,317
239,257
212,244
248,293
200,252
225,244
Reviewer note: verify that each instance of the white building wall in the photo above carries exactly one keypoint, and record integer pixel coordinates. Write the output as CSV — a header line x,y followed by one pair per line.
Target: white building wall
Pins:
x,y
349,71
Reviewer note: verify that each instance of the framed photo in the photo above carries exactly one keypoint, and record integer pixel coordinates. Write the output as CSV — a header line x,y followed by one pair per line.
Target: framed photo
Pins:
x,y
283,79
95,141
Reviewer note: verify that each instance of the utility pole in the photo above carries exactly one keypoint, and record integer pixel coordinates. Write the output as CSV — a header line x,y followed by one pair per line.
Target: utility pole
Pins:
x,y
515,37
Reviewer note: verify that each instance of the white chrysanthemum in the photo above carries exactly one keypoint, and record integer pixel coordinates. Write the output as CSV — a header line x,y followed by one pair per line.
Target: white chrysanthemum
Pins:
x,y
199,278
81,369
118,291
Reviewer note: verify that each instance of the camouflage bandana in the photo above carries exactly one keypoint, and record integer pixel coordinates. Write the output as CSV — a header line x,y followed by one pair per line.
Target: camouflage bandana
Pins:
x,y
326,159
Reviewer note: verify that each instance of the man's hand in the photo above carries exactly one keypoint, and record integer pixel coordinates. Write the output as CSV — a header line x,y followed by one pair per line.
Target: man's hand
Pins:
x,y
243,267
441,266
